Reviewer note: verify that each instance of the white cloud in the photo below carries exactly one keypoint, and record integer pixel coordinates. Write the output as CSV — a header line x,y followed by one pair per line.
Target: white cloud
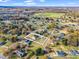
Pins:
x,y
4,0
28,1
42,0
71,3
32,3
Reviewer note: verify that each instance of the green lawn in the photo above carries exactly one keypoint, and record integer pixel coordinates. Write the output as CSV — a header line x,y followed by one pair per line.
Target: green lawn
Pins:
x,y
1,40
70,57
56,15
35,46
8,43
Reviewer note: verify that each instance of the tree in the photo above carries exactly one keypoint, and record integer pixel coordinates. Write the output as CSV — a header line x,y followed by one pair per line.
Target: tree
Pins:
x,y
1,19
13,39
51,25
65,41
39,52
73,38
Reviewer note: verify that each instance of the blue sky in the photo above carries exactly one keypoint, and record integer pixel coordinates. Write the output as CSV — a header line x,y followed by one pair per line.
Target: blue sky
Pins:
x,y
39,2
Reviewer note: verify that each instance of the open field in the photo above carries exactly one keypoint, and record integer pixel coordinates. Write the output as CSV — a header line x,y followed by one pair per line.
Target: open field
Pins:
x,y
56,15
70,57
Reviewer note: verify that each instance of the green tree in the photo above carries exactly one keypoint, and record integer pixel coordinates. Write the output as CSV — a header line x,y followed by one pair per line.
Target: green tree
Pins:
x,y
65,42
39,52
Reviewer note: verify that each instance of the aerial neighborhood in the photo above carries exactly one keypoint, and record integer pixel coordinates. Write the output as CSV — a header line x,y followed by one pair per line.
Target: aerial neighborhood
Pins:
x,y
39,33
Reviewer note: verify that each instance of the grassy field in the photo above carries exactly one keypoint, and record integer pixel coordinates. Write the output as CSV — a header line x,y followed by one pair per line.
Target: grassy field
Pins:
x,y
56,15
70,57
35,46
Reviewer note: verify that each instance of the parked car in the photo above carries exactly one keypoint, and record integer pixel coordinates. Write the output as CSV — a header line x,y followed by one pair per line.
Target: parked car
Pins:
x,y
74,52
61,53
2,43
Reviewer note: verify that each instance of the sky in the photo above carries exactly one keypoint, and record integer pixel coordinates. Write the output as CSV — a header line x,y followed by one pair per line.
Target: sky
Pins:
x,y
39,2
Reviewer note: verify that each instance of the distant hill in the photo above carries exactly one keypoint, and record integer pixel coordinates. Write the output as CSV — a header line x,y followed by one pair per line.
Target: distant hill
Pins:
x,y
36,7
13,6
